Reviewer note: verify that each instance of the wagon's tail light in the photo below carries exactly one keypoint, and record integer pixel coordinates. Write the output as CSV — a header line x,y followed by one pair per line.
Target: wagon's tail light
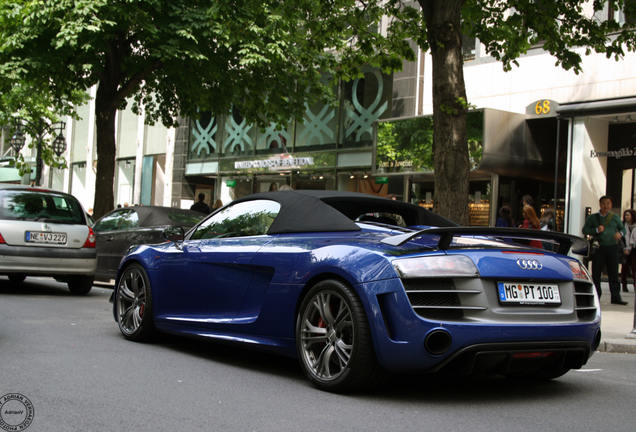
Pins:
x,y
579,272
2,239
90,240
436,266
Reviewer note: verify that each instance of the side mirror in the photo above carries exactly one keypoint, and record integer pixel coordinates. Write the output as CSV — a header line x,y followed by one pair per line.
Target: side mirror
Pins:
x,y
173,233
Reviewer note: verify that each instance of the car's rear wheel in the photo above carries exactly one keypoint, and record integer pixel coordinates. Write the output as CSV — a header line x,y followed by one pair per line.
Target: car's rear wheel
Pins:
x,y
133,302
334,341
16,278
80,285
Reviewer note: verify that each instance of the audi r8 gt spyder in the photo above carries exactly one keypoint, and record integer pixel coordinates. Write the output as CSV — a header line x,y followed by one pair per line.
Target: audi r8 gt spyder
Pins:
x,y
358,287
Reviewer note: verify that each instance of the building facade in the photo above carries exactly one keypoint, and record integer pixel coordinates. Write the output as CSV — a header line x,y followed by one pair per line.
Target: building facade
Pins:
x,y
564,139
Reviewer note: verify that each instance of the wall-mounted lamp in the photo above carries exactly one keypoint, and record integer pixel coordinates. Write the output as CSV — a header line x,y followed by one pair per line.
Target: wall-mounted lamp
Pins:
x,y
628,118
615,119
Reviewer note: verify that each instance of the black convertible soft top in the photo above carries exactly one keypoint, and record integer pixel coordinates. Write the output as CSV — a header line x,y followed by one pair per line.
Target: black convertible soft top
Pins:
x,y
320,211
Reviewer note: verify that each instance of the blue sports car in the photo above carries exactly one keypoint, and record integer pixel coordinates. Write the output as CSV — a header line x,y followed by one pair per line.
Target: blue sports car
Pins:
x,y
358,287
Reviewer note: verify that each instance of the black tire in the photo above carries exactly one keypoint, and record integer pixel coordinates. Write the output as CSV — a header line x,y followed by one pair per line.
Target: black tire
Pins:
x,y
16,278
80,285
133,305
333,340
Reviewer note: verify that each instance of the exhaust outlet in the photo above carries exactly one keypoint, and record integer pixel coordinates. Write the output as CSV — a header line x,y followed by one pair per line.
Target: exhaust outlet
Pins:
x,y
437,342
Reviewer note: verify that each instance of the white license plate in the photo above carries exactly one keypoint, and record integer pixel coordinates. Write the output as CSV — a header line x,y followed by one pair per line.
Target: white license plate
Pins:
x,y
528,293
45,237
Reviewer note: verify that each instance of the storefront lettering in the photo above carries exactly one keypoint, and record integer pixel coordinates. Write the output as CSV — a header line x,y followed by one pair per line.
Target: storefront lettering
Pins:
x,y
275,163
391,164
613,154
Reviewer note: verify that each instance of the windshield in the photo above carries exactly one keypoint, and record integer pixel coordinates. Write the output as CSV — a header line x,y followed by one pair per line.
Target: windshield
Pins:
x,y
25,204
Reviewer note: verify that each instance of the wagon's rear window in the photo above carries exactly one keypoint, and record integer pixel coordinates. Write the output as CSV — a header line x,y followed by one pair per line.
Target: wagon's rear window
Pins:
x,y
39,205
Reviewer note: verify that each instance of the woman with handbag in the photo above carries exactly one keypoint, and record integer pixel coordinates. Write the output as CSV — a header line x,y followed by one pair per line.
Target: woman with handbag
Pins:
x,y
628,257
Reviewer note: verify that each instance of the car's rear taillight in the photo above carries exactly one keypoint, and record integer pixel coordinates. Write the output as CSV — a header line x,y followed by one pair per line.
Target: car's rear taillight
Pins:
x,y
90,240
2,239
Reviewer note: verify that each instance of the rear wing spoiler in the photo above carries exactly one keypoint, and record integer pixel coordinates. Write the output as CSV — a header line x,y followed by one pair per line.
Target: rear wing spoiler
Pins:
x,y
565,242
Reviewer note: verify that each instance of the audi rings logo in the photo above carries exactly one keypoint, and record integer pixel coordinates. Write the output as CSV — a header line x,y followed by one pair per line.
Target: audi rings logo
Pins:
x,y
529,264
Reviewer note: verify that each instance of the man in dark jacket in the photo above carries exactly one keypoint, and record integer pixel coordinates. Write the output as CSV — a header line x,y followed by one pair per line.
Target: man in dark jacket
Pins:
x,y
607,229
200,206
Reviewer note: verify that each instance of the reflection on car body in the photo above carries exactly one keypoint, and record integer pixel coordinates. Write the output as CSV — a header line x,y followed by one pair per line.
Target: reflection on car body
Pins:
x,y
304,274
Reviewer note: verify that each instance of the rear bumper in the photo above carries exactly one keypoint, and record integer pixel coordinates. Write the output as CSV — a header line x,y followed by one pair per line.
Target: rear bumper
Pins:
x,y
47,261
406,342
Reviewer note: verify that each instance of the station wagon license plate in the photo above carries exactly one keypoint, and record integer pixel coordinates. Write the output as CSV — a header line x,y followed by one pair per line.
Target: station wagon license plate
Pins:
x,y
528,294
45,237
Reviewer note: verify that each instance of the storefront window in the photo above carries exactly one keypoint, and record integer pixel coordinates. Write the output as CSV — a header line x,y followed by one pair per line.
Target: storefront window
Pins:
x,y
318,130
479,204
365,101
422,194
363,182
239,136
153,179
317,180
275,140
270,183
204,133
235,187
124,181
406,146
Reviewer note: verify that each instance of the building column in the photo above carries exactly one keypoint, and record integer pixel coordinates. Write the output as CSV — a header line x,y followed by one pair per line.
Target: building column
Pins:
x,y
586,175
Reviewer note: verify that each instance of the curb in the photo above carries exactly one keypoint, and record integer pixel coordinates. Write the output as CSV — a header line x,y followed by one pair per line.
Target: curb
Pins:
x,y
616,346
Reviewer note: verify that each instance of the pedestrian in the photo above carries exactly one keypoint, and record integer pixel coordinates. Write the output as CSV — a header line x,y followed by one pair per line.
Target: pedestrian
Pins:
x,y
547,220
527,200
607,229
505,218
628,259
531,221
548,224
200,205
217,204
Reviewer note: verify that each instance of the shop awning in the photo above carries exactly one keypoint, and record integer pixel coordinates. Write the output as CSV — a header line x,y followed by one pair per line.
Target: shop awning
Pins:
x,y
597,107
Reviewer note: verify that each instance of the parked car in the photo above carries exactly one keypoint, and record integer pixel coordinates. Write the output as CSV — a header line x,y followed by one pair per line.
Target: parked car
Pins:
x,y
116,231
333,279
44,232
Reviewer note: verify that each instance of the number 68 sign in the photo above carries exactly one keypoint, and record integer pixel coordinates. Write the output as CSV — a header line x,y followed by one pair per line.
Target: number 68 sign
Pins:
x,y
542,108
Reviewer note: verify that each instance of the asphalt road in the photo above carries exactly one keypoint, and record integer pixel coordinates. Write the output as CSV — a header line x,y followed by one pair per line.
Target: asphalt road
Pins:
x,y
66,355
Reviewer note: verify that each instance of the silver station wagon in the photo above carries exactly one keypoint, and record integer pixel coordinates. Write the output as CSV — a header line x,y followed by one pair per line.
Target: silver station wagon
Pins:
x,y
44,232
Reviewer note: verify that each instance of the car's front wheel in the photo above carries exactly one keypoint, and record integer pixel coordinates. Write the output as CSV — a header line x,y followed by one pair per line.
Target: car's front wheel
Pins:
x,y
334,341
133,302
80,285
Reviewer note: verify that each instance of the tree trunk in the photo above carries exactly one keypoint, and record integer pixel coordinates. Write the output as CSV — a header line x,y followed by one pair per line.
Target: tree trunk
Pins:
x,y
450,142
105,111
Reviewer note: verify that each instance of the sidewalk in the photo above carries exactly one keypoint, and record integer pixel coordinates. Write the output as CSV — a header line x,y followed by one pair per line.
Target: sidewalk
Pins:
x,y
616,322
